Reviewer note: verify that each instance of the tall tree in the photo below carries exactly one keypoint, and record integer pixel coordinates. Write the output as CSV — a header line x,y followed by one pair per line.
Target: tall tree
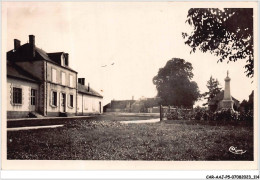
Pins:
x,y
174,85
227,33
248,105
213,87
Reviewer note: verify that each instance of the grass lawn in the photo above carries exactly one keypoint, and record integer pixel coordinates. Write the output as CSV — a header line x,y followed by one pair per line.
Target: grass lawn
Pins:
x,y
104,138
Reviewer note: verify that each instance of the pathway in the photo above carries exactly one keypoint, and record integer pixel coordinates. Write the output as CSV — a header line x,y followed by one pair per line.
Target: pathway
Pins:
x,y
33,127
141,121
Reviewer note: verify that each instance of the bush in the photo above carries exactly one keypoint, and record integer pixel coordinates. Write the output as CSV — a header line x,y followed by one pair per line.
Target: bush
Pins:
x,y
226,115
221,115
247,116
200,113
179,114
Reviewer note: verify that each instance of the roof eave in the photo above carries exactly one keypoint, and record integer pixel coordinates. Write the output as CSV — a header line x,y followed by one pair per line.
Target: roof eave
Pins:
x,y
24,79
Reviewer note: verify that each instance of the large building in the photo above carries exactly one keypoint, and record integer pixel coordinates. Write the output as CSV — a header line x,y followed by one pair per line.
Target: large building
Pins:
x,y
40,83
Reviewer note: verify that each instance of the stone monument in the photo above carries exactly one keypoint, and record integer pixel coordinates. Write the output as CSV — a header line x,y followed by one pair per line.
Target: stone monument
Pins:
x,y
227,101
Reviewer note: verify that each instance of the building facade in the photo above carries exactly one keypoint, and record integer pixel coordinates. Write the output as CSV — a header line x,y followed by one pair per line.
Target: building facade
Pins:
x,y
22,90
89,101
45,76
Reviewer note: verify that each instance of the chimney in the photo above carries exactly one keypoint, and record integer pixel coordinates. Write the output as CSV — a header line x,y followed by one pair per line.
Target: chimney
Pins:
x,y
32,44
32,40
133,98
17,44
88,87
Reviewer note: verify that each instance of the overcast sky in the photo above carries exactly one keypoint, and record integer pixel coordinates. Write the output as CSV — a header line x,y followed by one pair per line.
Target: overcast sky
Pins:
x,y
139,38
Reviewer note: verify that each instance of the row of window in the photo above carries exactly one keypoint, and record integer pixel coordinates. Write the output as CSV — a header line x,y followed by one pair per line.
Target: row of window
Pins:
x,y
54,99
63,77
18,96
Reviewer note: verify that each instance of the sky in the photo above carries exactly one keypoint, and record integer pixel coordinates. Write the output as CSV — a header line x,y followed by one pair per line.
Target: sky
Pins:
x,y
137,38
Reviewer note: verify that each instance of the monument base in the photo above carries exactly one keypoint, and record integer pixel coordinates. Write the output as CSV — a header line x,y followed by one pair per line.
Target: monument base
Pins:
x,y
226,104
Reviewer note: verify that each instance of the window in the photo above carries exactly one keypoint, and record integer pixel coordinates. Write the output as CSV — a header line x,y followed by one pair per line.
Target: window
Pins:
x,y
66,61
71,100
54,98
17,95
63,78
71,80
85,104
53,75
62,60
33,97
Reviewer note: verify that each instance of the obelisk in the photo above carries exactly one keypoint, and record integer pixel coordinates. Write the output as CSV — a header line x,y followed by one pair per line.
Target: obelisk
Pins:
x,y
227,101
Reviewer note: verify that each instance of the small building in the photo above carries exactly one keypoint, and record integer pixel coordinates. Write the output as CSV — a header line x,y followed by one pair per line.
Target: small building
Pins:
x,y
89,101
119,106
143,105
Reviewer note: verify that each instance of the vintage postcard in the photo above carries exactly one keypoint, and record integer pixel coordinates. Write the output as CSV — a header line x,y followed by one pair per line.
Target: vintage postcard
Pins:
x,y
129,86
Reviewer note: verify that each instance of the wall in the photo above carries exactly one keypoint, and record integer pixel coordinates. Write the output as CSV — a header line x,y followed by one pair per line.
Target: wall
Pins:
x,y
60,69
89,104
19,111
36,68
54,111
59,88
153,110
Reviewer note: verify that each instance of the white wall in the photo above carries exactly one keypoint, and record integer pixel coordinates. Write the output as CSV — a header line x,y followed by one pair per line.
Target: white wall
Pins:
x,y
26,94
89,104
59,90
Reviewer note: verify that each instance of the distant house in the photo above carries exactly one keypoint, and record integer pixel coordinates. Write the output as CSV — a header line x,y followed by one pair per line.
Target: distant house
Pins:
x,y
152,105
89,101
215,103
119,106
43,84
144,105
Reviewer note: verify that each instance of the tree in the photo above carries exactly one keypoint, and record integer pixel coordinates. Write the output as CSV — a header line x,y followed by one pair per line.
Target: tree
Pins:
x,y
248,105
214,89
174,85
227,33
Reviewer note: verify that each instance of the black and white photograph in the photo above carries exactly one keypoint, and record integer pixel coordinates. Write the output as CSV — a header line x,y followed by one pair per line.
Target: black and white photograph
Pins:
x,y
129,82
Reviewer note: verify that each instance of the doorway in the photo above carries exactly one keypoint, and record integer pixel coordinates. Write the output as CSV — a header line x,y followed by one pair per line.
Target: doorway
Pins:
x,y
33,100
63,102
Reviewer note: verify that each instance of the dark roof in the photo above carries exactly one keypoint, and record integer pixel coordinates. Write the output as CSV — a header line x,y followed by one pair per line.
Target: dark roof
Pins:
x,y
121,104
84,89
15,71
219,97
151,102
41,54
56,57
107,106
23,53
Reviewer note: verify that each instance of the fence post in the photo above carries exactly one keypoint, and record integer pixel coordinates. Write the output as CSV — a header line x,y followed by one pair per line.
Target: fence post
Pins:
x,y
161,111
